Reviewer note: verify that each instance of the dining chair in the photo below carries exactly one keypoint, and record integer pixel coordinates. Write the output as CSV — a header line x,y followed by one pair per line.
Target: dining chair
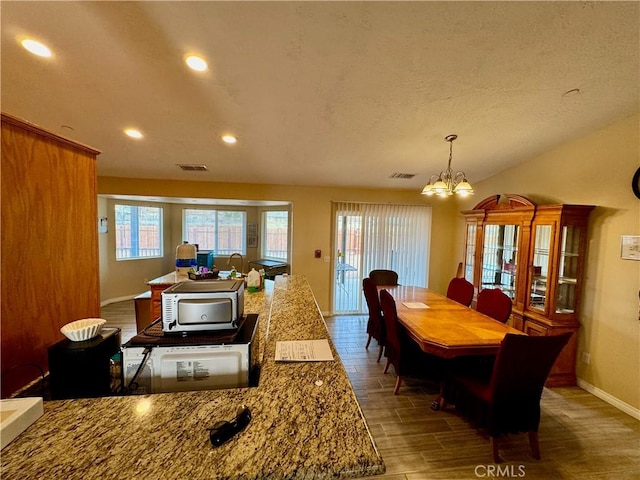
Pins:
x,y
383,277
460,290
508,401
396,347
375,324
494,303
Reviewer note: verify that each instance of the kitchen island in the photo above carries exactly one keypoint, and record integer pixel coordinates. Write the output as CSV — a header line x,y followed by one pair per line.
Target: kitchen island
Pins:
x,y
306,420
157,286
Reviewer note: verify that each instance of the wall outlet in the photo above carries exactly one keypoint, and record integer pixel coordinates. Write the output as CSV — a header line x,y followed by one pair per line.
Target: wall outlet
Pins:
x,y
327,259
586,358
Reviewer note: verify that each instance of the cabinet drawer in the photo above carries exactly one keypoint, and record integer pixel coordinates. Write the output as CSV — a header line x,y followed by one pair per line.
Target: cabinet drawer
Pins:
x,y
534,329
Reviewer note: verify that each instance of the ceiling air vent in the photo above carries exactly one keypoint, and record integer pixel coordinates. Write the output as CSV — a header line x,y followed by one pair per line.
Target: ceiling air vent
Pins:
x,y
193,168
402,175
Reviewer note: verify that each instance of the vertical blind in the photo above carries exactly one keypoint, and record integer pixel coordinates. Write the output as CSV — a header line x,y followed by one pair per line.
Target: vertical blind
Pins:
x,y
380,236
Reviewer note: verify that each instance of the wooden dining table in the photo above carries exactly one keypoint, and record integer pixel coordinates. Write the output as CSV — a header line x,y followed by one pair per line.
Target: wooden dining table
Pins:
x,y
444,327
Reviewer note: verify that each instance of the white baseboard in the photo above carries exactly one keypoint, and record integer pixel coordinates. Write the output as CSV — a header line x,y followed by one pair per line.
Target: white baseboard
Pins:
x,y
611,400
117,299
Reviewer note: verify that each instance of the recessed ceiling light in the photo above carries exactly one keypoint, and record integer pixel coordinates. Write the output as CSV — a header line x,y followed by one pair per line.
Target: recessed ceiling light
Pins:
x,y
36,48
133,133
196,63
229,139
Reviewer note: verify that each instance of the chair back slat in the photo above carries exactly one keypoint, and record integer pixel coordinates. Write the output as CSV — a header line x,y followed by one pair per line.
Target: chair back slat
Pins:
x,y
383,277
375,325
461,291
494,303
522,366
392,339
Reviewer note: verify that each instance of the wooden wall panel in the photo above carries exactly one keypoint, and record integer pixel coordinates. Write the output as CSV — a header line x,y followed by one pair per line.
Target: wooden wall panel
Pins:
x,y
49,245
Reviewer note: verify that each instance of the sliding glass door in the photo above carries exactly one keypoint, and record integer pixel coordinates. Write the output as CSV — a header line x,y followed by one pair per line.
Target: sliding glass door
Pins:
x,y
372,236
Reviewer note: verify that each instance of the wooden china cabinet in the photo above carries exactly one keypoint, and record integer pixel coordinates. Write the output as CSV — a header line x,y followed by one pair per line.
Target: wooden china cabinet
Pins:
x,y
535,254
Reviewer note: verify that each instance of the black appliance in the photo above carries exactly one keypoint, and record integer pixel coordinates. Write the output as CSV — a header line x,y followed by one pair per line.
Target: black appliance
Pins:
x,y
83,369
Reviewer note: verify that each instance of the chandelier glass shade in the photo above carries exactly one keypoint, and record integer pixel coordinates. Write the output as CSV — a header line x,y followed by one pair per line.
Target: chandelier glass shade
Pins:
x,y
447,183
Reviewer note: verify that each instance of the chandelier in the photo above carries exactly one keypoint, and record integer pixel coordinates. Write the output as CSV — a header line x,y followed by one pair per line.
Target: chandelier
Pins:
x,y
446,183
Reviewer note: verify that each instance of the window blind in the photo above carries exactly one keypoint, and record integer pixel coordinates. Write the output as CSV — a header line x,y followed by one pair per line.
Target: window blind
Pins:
x,y
378,236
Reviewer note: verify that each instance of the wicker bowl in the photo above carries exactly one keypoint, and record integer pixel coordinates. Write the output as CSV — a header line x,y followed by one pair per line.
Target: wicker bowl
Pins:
x,y
84,329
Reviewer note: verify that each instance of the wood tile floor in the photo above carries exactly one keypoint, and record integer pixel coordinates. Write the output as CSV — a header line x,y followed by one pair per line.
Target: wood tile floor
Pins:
x,y
121,315
581,436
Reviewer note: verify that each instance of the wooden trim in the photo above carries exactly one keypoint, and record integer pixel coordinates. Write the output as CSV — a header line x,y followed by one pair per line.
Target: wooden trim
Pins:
x,y
33,128
504,201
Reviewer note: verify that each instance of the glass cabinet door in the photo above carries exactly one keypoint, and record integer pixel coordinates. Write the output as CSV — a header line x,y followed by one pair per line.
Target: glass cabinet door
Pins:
x,y
470,252
540,267
499,258
568,270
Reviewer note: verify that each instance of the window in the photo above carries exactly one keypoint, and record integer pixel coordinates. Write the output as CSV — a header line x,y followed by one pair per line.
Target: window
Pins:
x,y
223,231
275,231
138,232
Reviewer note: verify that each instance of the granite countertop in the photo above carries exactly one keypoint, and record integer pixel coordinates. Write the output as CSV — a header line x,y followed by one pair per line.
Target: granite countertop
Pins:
x,y
301,429
170,278
174,277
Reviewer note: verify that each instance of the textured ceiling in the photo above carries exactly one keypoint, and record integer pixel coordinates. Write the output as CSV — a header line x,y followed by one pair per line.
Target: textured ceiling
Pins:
x,y
321,93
